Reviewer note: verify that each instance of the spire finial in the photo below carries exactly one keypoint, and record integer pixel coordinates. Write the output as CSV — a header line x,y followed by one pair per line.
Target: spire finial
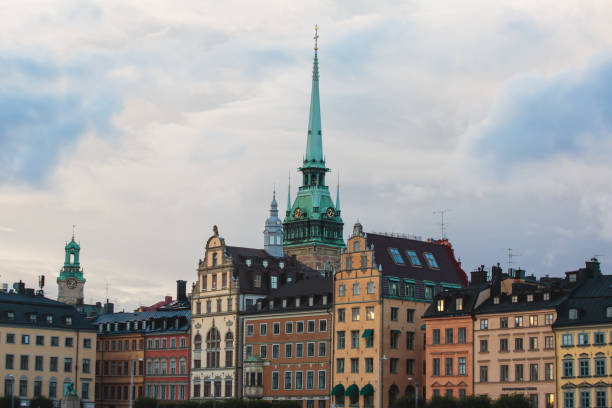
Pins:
x,y
289,194
73,227
316,37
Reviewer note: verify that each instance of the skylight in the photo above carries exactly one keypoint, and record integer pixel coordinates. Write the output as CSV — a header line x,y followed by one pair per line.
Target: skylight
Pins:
x,y
414,259
397,258
431,260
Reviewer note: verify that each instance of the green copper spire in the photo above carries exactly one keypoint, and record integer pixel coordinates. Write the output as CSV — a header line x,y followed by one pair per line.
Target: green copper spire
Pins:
x,y
338,196
314,145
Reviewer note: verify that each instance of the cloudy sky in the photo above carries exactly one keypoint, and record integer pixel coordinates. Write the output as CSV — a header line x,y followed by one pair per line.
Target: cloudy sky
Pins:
x,y
145,123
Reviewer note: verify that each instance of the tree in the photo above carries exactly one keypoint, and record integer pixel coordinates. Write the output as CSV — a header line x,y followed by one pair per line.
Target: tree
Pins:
x,y
407,401
8,401
474,401
146,403
41,402
512,401
442,402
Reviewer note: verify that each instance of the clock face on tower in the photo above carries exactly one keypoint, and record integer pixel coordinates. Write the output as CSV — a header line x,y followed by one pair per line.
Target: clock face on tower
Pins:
x,y
330,212
71,283
298,213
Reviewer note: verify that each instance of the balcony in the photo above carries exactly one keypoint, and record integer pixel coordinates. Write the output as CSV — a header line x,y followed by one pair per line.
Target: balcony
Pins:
x,y
253,391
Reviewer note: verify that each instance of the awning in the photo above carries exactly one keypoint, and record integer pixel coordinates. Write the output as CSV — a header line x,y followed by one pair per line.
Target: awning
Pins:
x,y
367,390
338,390
352,391
367,333
395,331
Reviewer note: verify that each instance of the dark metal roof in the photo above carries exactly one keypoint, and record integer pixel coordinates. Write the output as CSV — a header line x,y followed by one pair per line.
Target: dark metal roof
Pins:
x,y
506,305
25,306
469,296
590,298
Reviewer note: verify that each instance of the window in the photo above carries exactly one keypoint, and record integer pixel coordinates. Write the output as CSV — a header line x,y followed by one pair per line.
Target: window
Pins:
x,y
321,382
341,315
322,349
394,314
449,336
585,399
461,335
67,365
341,342
484,346
355,288
503,344
414,259
394,340
533,372
9,362
53,362
288,327
484,324
503,322
459,304
276,351
288,350
409,366
287,380
584,367
393,364
461,366
573,314
24,363
354,365
370,287
436,367
518,344
299,350
548,342
349,263
440,305
433,264
448,366
355,314
310,380
10,338
600,399
484,374
410,315
275,380
567,340
250,329
503,373
429,290
568,399
410,340
583,339
533,343
369,312
322,325
548,319
339,365
599,338
397,258
299,380
310,349
356,246
410,290
25,339
548,371
600,367
38,363
393,288
533,321
436,336
311,326
354,339
299,327
568,368
369,365
276,328
518,321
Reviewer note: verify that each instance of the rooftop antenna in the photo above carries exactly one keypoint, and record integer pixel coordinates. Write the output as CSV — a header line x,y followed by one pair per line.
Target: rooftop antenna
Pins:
x,y
443,225
511,255
106,290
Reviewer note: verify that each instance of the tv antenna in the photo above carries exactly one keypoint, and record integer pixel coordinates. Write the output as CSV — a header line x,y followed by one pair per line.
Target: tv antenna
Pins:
x,y
511,255
443,225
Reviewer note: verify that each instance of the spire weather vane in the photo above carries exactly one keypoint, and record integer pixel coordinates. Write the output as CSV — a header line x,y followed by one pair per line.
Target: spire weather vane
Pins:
x,y
316,37
73,227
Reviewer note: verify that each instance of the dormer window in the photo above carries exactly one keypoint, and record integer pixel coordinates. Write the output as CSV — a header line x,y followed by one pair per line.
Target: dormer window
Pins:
x,y
273,282
281,265
325,300
356,246
530,297
50,319
572,277
265,263
32,317
259,305
459,303
215,259
310,301
10,315
249,262
573,314
68,320
271,304
546,296
397,258
431,260
496,300
414,259
257,281
284,303
440,305
514,299
609,311
297,302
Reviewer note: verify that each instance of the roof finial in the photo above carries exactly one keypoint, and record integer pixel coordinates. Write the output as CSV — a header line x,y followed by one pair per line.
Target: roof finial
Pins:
x,y
289,194
316,37
73,227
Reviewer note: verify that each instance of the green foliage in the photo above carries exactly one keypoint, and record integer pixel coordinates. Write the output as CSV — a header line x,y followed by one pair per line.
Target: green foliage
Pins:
x,y
407,401
474,401
146,403
41,402
442,402
208,403
7,402
512,401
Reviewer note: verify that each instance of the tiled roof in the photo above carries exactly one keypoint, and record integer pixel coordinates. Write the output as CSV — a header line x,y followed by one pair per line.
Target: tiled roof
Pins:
x,y
591,298
24,306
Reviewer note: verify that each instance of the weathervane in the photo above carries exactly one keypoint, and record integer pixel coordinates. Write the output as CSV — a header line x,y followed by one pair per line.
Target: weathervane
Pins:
x,y
73,227
316,37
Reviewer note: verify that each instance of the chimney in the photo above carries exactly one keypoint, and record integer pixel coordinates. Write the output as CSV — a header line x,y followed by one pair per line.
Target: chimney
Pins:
x,y
479,276
109,307
592,268
181,290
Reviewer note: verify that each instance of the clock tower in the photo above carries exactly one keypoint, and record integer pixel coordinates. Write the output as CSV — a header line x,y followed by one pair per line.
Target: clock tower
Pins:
x,y
71,281
312,226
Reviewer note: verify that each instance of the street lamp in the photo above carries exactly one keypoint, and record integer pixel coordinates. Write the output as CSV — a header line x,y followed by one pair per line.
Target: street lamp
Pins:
x,y
416,392
380,387
132,380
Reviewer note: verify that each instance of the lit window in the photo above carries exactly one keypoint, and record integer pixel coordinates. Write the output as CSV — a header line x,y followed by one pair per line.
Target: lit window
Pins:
x,y
441,305
514,299
397,258
530,297
431,260
546,296
414,259
459,304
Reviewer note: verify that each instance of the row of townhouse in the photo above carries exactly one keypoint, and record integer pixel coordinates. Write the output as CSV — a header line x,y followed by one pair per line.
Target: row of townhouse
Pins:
x,y
546,339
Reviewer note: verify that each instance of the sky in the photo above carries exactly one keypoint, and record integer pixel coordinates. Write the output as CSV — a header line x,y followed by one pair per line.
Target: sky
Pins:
x,y
146,123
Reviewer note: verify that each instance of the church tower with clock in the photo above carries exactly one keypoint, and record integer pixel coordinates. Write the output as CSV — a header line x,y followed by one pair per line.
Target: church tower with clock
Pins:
x,y
312,228
71,281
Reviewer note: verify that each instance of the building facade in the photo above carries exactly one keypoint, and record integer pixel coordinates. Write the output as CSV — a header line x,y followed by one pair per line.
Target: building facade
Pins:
x,y
583,331
381,292
288,339
45,345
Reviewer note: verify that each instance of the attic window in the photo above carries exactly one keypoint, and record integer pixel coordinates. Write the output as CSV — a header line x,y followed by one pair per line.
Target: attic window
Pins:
x,y
271,304
609,311
572,277
459,303
440,305
325,300
10,315
33,317
431,260
273,282
573,314
50,319
414,259
281,265
514,299
249,262
397,258
356,246
310,301
265,263
546,296
496,300
297,302
68,320
530,297
284,303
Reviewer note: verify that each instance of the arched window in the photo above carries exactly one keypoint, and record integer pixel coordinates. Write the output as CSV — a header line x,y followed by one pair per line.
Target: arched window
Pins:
x,y
213,345
393,393
409,390
149,367
214,259
164,366
229,340
197,342
356,246
182,366
172,366
156,366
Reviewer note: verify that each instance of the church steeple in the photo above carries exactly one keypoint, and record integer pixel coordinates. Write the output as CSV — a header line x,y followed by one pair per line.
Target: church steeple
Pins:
x,y
273,232
312,226
71,280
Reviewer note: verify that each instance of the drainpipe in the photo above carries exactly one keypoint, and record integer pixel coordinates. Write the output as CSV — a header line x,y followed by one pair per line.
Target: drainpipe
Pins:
x,y
380,337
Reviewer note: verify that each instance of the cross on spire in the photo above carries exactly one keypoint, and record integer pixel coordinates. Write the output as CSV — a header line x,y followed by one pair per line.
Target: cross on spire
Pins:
x,y
316,37
73,227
